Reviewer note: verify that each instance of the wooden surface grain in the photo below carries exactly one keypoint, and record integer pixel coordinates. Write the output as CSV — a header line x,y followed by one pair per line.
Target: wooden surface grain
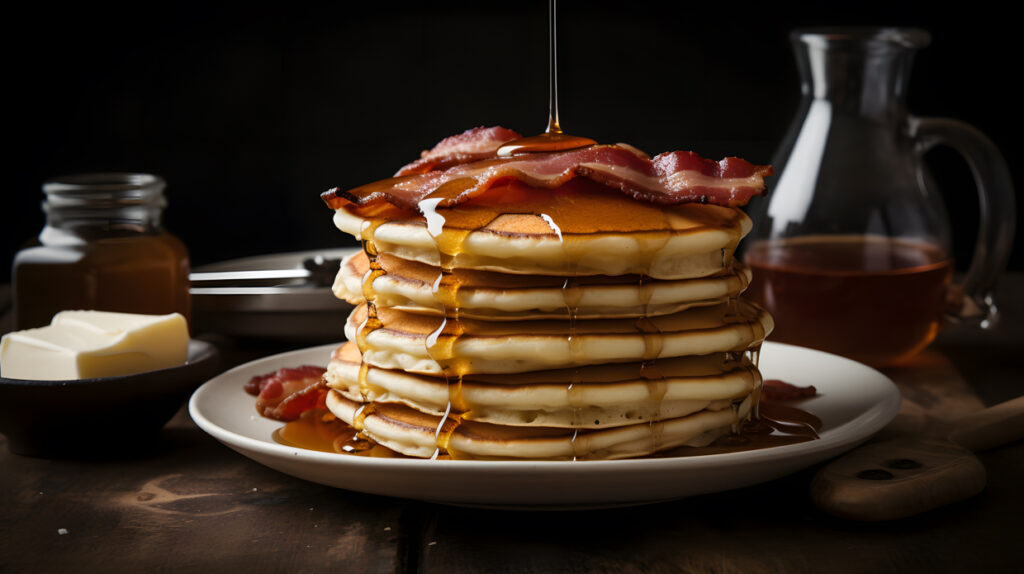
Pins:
x,y
192,505
189,505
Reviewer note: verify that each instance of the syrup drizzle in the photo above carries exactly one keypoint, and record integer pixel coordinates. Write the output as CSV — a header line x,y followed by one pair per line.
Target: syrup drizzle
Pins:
x,y
737,314
572,294
440,344
356,442
372,322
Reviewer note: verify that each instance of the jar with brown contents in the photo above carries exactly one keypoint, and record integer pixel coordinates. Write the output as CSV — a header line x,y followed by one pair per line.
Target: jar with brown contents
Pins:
x,y
103,247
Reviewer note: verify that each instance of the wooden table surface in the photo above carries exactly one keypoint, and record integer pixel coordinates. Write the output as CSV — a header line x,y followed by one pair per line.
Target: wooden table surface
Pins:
x,y
191,504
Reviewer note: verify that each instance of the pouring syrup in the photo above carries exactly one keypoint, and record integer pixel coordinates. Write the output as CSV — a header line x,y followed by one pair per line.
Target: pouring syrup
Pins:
x,y
553,139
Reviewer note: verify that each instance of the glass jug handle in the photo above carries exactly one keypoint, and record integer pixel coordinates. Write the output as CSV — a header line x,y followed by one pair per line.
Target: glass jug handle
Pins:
x,y
996,200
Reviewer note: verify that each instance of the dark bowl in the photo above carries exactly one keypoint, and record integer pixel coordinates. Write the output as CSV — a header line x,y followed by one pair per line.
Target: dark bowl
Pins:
x,y
92,418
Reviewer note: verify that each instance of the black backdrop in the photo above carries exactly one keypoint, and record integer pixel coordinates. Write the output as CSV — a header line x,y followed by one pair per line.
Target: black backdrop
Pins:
x,y
251,113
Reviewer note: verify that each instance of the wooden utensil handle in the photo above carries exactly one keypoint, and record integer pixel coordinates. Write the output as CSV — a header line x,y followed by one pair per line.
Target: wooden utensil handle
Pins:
x,y
897,478
991,427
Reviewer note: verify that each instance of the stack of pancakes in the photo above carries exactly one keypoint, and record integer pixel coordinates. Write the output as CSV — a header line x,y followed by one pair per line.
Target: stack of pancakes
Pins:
x,y
546,328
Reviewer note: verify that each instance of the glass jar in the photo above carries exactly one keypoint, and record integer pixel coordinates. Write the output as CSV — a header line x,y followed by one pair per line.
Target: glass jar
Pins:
x,y
103,247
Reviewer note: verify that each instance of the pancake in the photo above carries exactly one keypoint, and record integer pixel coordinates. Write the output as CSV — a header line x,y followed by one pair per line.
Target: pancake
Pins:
x,y
588,397
413,433
410,286
542,236
419,343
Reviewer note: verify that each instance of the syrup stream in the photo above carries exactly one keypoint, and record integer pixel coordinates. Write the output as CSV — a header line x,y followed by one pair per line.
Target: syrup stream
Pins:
x,y
553,139
554,127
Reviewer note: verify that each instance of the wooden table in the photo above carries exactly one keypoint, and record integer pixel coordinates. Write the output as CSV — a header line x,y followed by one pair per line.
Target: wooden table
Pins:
x,y
192,504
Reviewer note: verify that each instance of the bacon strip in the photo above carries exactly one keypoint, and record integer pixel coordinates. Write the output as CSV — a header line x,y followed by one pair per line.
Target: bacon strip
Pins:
x,y
286,393
471,145
776,390
670,178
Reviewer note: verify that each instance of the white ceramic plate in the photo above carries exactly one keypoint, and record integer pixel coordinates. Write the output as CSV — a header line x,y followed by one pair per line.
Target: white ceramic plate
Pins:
x,y
853,402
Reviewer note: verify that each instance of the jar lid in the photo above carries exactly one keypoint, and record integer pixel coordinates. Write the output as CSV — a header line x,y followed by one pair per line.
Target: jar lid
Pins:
x,y
855,36
108,189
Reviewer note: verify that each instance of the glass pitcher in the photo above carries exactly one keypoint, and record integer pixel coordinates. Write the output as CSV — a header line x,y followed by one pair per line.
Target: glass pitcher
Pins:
x,y
851,249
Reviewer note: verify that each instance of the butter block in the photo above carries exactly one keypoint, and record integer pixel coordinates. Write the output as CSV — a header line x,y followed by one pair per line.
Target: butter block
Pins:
x,y
91,344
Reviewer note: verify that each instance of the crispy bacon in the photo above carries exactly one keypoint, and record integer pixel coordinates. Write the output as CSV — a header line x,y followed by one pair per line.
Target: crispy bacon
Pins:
x,y
670,178
776,390
286,393
471,145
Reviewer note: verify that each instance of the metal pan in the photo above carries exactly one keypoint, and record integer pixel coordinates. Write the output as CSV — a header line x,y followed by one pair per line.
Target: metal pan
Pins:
x,y
282,296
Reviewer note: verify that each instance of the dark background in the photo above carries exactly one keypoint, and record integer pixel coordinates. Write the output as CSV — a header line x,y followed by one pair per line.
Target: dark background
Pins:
x,y
250,113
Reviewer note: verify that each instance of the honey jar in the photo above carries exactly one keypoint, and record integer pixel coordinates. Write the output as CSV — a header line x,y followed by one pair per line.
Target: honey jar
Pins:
x,y
103,247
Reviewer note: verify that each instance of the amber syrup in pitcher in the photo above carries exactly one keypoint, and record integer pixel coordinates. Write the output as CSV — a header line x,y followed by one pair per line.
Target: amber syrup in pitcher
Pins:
x,y
873,299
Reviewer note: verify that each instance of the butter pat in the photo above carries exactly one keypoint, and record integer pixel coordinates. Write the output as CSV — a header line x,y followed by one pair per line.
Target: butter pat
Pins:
x,y
91,344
